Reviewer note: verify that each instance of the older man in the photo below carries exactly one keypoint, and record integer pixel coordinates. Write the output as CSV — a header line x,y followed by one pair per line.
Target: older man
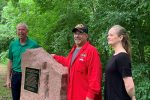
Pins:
x,y
16,49
85,70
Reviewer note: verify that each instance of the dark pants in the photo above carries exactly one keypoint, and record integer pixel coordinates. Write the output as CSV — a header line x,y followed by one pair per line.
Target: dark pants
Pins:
x,y
16,85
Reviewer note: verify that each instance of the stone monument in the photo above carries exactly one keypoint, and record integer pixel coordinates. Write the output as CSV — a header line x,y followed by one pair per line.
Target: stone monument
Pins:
x,y
43,78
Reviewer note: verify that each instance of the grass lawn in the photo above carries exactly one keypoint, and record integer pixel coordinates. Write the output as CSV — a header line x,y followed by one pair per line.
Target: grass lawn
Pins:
x,y
5,93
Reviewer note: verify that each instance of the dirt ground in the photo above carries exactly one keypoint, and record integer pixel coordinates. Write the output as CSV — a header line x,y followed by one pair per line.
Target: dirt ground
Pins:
x,y
5,94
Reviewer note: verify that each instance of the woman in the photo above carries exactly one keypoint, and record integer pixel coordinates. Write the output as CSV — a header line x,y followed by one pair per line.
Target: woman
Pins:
x,y
119,84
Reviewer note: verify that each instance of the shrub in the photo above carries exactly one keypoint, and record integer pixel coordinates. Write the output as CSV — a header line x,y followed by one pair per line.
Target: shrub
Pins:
x,y
141,75
3,57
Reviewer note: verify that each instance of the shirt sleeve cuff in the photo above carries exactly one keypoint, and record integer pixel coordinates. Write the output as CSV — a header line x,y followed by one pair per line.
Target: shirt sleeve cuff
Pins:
x,y
55,57
90,95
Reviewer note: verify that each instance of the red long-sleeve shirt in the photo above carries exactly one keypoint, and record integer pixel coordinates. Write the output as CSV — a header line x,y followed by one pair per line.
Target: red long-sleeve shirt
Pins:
x,y
85,73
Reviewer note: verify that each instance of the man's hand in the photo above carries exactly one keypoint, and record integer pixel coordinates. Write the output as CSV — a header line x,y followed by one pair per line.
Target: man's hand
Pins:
x,y
8,83
53,55
88,98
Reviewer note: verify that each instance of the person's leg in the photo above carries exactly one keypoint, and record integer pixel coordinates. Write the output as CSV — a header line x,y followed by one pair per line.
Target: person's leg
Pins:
x,y
16,86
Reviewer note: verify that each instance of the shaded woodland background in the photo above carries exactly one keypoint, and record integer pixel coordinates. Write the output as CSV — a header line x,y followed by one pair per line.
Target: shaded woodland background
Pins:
x,y
51,21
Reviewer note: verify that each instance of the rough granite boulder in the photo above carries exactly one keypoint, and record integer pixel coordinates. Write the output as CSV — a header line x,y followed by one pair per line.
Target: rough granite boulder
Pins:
x,y
43,78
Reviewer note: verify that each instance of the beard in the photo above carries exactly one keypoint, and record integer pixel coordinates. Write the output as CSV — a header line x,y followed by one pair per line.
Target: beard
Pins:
x,y
77,41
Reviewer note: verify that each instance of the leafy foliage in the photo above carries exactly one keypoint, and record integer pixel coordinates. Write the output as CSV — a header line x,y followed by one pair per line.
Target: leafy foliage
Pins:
x,y
3,56
141,75
51,21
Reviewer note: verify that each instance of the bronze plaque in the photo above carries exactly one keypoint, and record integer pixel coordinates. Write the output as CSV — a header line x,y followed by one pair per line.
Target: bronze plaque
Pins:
x,y
32,79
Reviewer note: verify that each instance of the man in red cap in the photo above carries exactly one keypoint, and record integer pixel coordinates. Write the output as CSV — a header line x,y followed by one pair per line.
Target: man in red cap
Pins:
x,y
85,69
